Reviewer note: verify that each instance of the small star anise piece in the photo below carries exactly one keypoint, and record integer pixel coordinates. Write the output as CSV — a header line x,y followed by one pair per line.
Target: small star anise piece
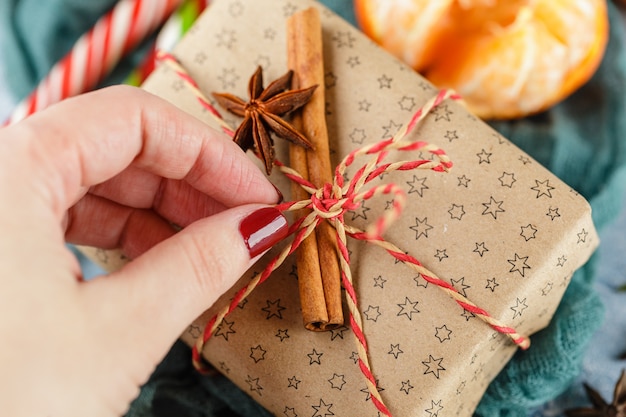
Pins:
x,y
262,114
617,408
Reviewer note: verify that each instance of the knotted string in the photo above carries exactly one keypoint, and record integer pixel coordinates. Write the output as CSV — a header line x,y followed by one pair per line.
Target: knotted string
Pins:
x,y
330,203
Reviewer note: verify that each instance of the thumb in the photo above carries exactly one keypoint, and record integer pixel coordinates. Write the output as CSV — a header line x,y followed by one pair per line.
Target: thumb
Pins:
x,y
162,291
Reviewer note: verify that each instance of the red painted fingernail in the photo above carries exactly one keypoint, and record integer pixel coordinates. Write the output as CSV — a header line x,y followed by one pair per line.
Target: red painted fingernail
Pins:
x,y
262,229
281,198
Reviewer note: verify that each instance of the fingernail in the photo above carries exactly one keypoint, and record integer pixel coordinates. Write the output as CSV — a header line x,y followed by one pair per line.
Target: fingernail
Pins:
x,y
281,198
262,229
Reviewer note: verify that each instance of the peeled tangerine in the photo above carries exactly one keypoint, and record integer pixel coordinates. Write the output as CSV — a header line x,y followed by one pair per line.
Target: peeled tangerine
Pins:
x,y
507,58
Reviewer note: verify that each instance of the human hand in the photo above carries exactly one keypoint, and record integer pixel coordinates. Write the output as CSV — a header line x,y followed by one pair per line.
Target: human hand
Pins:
x,y
115,168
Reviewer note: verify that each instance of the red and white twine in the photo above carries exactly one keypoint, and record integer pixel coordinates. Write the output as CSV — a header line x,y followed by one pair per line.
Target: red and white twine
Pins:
x,y
331,202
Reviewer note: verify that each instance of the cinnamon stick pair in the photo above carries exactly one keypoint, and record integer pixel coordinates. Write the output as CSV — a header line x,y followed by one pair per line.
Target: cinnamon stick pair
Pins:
x,y
317,258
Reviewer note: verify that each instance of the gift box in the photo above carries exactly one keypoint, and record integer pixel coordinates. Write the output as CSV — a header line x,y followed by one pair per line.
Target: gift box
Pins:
x,y
502,230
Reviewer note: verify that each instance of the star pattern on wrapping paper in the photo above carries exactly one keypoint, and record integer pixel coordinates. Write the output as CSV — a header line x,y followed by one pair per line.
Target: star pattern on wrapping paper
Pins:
x,y
461,387
257,353
395,350
442,333
372,313
369,394
518,264
282,334
408,308
254,385
379,281
353,61
492,284
228,78
451,135
441,254
547,288
442,112
433,366
543,188
200,58
406,386
355,357
501,139
224,368
435,408
463,181
289,9
225,328
226,38
290,412
582,236
102,256
493,207
273,309
421,227
269,33
507,179
484,157
322,409
235,9
178,85
390,204
384,81
344,39
553,213
460,286
480,249
519,307
390,129
194,331
337,332
418,185
467,315
330,80
456,211
421,282
528,232
337,381
407,103
294,272
315,357
361,212
364,105
524,159
561,261
293,382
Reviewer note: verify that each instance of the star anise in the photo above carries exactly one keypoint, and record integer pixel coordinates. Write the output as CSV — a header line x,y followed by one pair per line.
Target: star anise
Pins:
x,y
262,114
617,408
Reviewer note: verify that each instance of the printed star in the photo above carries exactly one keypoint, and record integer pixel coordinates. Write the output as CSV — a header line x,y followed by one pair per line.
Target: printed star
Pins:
x,y
406,386
420,281
228,78
467,315
528,232
391,129
460,388
315,357
294,271
418,185
389,204
282,334
194,331
225,328
274,309
379,281
178,85
561,261
361,212
225,369
395,350
293,382
289,9
337,332
344,39
353,61
367,391
323,409
200,58
384,82
355,357
364,105
442,112
257,353
460,286
491,284
525,160
553,213
435,408
501,140
451,135
357,136
484,156
102,255
372,313
480,248
507,179
493,207
456,212
235,9
226,38
269,34
463,181
519,264
546,290
441,254
408,308
421,227
337,381
433,366
330,80
519,307
407,103
442,333
543,188
290,412
582,236
254,384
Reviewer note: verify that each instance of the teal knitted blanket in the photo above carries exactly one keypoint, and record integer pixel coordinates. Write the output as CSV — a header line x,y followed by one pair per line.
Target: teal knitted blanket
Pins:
x,y
582,140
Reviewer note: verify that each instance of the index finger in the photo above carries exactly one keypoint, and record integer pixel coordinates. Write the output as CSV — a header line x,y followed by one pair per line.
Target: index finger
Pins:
x,y
88,139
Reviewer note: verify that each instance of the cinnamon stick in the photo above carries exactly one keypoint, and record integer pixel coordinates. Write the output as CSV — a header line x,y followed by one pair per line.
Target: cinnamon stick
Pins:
x,y
317,259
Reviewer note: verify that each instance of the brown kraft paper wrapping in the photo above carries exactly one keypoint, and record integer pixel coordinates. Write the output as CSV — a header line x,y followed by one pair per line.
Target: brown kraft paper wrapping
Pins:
x,y
503,230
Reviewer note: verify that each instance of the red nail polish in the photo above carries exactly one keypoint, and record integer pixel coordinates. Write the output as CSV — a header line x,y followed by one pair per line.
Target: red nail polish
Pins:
x,y
281,198
262,229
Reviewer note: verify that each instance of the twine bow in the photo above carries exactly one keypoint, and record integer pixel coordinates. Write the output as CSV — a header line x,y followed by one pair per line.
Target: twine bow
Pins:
x,y
331,202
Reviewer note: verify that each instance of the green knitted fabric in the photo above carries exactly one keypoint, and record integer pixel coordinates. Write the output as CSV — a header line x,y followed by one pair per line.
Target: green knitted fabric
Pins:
x,y
582,140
